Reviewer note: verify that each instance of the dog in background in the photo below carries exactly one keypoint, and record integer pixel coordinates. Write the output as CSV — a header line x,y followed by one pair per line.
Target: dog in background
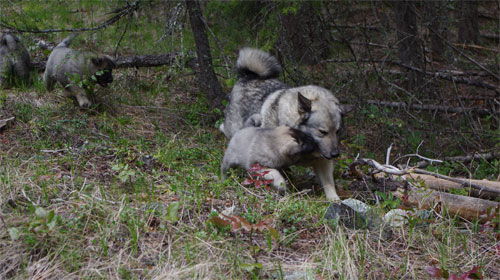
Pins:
x,y
259,98
274,148
15,64
77,71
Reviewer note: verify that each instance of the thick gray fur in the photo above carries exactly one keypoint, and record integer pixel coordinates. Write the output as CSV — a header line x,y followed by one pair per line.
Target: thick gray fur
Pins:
x,y
269,147
257,72
68,66
15,63
258,98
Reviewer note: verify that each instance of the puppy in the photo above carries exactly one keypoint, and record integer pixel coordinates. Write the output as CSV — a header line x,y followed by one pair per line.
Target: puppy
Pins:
x,y
77,71
275,148
15,64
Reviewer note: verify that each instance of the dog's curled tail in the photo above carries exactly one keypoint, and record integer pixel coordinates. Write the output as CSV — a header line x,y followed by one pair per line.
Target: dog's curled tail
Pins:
x,y
65,43
257,64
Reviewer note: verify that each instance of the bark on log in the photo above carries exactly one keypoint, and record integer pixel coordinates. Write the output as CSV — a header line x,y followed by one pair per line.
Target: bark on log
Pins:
x,y
467,207
148,60
446,109
446,185
145,60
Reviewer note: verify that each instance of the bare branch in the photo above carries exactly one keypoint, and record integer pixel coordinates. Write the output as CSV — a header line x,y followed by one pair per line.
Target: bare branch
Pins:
x,y
120,13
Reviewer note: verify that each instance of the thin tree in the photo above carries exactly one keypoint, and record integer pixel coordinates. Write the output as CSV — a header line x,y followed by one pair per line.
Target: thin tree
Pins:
x,y
206,78
409,45
468,26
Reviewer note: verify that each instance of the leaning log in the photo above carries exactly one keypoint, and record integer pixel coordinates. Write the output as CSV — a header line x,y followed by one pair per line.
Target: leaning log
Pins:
x,y
465,206
446,185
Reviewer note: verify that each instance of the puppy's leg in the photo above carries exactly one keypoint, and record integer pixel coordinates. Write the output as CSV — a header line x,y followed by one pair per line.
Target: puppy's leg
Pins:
x,y
223,170
279,182
81,96
324,170
48,81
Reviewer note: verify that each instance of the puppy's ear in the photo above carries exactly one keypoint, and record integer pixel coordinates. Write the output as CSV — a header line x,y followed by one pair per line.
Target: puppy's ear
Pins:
x,y
103,62
304,104
9,41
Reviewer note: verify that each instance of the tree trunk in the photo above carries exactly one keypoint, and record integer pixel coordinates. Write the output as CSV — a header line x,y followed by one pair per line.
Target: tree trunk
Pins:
x,y
409,45
435,15
304,36
468,27
206,78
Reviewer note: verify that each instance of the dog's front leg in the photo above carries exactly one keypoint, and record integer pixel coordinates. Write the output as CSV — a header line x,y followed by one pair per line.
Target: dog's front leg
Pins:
x,y
80,95
324,170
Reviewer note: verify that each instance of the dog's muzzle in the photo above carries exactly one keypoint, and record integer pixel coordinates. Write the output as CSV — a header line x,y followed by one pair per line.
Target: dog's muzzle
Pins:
x,y
330,155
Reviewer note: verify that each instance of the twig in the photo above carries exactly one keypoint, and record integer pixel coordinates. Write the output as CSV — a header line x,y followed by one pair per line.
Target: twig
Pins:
x,y
419,156
121,37
53,151
389,169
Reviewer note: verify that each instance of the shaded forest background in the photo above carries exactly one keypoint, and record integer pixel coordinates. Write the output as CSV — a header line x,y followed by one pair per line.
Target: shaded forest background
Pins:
x,y
129,188
414,73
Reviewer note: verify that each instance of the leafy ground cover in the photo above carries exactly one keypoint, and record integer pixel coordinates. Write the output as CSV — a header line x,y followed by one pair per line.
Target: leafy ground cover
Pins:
x,y
127,190
130,189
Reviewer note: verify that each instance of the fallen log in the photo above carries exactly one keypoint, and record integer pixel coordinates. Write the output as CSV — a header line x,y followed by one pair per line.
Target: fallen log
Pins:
x,y
428,107
462,182
447,185
149,60
467,207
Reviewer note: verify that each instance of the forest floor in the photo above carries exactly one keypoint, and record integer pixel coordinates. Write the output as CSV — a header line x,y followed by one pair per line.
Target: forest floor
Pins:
x,y
127,190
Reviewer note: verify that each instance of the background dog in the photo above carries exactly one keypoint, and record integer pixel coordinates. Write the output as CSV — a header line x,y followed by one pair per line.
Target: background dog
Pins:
x,y
310,109
270,147
77,71
15,64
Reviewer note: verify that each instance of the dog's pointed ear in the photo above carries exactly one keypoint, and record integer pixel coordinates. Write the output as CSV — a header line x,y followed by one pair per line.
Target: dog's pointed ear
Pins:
x,y
104,62
304,104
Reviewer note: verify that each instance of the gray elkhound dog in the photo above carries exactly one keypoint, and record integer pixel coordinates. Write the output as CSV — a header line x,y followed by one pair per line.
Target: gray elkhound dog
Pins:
x,y
276,147
15,64
260,98
77,71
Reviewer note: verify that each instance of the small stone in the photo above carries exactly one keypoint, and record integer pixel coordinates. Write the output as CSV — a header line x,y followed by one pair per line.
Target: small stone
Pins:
x,y
396,217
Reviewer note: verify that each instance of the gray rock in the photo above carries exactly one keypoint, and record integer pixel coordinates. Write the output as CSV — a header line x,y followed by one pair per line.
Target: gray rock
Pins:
x,y
355,214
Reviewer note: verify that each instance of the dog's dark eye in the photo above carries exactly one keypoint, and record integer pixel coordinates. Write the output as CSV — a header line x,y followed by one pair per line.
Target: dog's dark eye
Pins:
x,y
323,132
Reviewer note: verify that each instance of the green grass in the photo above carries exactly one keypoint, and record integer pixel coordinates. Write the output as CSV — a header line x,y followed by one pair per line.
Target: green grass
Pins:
x,y
127,188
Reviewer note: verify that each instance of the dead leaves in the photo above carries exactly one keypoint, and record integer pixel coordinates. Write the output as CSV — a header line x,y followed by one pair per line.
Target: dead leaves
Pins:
x,y
236,223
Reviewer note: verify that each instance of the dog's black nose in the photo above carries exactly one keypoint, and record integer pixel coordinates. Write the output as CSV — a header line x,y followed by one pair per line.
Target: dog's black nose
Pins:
x,y
331,155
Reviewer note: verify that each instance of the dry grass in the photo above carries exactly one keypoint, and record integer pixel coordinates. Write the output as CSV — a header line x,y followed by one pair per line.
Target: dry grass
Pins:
x,y
111,228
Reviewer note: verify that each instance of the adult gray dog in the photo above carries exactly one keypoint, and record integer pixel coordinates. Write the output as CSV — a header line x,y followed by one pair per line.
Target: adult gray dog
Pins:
x,y
270,147
15,64
259,98
77,71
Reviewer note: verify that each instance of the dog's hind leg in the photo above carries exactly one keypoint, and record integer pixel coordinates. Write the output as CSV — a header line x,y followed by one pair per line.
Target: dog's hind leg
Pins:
x,y
324,170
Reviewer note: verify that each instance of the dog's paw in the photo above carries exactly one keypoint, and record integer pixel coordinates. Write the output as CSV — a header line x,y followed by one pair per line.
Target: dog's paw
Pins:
x,y
83,101
331,194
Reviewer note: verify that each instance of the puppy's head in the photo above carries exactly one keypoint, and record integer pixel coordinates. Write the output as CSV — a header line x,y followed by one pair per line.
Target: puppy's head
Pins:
x,y
323,122
8,43
104,66
305,142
